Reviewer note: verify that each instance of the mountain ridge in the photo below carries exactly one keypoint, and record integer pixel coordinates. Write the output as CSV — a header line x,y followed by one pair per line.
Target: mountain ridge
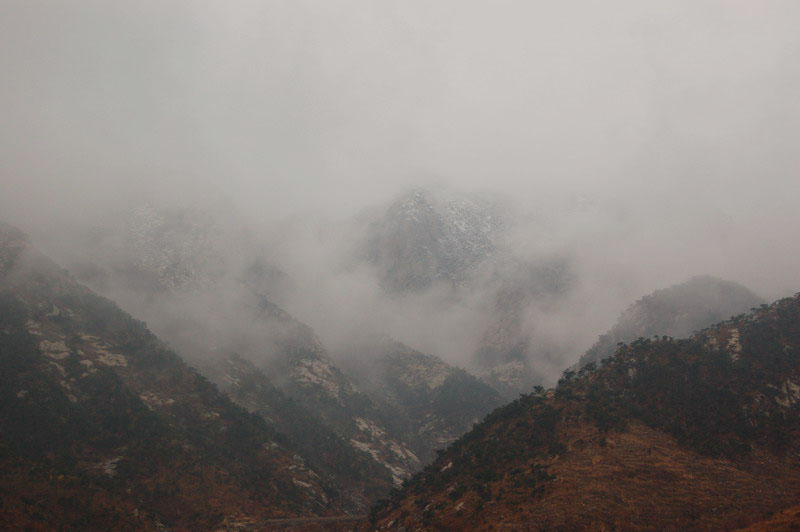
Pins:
x,y
699,433
677,311
100,406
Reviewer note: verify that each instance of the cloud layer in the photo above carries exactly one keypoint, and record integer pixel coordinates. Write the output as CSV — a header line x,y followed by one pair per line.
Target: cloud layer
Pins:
x,y
647,141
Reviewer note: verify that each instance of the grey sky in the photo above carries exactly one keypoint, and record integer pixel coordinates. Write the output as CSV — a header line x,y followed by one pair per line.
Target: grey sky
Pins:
x,y
680,118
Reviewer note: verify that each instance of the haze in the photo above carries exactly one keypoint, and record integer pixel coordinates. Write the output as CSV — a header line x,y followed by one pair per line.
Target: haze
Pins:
x,y
648,141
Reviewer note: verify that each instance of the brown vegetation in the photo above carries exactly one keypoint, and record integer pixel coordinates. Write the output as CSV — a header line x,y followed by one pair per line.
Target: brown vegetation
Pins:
x,y
667,435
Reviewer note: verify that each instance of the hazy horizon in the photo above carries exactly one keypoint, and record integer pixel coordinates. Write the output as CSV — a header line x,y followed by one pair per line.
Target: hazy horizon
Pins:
x,y
647,142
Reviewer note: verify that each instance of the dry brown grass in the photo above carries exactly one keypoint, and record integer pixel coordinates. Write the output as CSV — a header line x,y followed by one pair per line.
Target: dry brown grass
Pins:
x,y
637,479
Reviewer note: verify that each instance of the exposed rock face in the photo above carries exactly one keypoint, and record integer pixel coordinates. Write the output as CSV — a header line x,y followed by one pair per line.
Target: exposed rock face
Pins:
x,y
151,249
95,406
427,401
342,463
177,247
305,372
510,352
694,434
427,240
198,278
423,239
677,311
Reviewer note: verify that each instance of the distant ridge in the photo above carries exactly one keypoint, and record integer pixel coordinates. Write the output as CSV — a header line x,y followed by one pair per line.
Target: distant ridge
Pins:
x,y
677,311
701,433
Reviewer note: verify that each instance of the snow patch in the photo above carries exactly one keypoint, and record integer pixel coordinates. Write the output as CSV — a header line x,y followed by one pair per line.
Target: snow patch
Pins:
x,y
790,394
432,375
302,484
510,373
111,359
109,467
319,373
369,427
734,346
34,327
398,473
57,350
152,400
89,365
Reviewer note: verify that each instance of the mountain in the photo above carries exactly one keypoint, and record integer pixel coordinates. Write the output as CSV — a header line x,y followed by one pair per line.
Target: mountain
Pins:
x,y
356,475
103,427
151,252
427,401
510,351
424,238
676,311
302,368
197,277
151,248
692,434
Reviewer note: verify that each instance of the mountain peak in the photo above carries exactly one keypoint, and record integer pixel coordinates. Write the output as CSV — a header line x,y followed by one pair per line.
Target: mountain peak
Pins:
x,y
664,434
425,237
678,311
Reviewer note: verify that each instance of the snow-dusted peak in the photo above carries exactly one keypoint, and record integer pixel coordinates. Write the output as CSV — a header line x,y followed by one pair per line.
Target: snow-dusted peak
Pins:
x,y
423,238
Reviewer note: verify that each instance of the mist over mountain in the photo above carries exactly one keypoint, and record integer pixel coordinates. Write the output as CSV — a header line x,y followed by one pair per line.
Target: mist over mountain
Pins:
x,y
426,400
442,240
697,433
625,139
357,230
676,311
114,422
422,240
197,278
206,296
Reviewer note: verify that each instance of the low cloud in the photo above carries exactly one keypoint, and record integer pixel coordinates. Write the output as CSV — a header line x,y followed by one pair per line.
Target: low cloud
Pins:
x,y
642,143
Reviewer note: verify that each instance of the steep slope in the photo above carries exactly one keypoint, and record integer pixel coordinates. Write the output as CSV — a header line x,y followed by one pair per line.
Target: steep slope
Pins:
x,y
427,401
676,311
423,239
303,369
510,352
151,248
434,243
668,434
356,475
97,414
196,276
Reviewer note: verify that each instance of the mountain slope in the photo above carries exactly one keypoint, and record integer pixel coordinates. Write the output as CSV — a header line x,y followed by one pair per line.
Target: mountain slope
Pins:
x,y
300,367
96,411
198,279
668,434
676,311
427,401
356,474
423,239
151,248
511,354
429,243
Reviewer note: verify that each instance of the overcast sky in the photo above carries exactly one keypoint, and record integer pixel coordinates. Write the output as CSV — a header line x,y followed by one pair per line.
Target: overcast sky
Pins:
x,y
683,116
